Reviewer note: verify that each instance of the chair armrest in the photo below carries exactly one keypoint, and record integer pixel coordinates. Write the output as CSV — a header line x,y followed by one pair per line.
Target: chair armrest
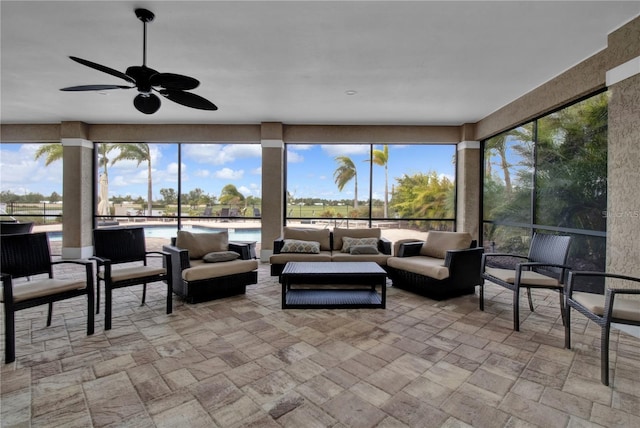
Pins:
x,y
529,265
409,249
179,257
384,246
243,249
277,245
464,266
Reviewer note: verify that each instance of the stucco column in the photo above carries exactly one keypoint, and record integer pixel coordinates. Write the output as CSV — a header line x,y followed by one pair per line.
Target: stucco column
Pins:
x,y
77,173
272,186
468,188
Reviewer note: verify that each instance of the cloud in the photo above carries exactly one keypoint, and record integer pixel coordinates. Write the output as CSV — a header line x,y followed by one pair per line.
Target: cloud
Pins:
x,y
220,154
202,173
229,174
22,174
345,149
293,157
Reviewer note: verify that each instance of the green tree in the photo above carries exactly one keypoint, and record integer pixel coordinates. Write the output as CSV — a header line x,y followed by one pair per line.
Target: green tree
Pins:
x,y
346,172
230,195
139,152
169,196
381,158
51,152
55,197
424,196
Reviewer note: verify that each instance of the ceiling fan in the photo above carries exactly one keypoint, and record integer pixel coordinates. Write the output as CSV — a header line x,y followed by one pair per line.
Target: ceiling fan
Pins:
x,y
171,86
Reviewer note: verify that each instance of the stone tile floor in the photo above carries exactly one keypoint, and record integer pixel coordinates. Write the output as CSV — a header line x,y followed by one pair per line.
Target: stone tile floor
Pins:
x,y
244,362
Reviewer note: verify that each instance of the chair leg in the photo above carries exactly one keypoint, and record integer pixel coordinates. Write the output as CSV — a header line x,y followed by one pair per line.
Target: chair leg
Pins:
x,y
50,314
529,298
144,293
9,335
90,314
107,307
481,302
562,311
169,298
604,353
516,309
98,296
567,327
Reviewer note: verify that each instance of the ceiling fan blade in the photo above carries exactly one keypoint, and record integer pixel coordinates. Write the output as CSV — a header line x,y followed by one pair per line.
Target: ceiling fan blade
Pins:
x,y
103,68
174,81
188,99
95,87
147,103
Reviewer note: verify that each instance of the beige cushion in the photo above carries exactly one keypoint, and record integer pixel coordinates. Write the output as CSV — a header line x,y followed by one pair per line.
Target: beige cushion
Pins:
x,y
306,234
220,256
339,233
437,243
348,242
296,246
527,278
45,287
282,258
200,244
379,258
427,266
625,309
121,274
202,270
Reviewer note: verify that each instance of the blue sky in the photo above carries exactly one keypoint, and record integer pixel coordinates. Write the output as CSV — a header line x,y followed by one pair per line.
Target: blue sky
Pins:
x,y
212,166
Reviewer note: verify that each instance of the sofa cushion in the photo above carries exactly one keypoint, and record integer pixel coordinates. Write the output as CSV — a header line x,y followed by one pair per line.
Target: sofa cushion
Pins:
x,y
363,249
283,258
348,242
297,246
220,256
426,266
339,233
200,270
308,234
200,244
437,243
379,258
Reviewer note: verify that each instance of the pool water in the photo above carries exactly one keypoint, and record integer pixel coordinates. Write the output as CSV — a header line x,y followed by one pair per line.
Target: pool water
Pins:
x,y
168,232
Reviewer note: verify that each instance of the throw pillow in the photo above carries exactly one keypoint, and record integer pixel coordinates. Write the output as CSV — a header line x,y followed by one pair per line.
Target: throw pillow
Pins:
x,y
364,249
437,243
200,244
297,246
348,242
220,256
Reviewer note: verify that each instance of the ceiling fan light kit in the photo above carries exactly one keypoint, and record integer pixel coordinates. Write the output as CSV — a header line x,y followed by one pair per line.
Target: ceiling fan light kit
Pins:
x,y
147,80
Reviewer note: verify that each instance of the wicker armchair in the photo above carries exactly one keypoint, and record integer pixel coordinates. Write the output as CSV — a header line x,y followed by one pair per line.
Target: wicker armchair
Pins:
x,y
544,267
13,227
602,305
113,246
27,256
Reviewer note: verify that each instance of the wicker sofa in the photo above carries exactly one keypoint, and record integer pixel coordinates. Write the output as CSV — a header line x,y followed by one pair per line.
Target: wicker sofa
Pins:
x,y
324,245
206,268
446,264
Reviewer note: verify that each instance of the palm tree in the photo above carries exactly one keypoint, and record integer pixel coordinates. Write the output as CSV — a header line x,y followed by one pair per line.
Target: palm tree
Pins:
x,y
52,153
138,152
381,158
344,173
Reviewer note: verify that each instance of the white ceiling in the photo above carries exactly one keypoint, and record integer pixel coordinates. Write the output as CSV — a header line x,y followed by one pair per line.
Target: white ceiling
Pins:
x,y
413,63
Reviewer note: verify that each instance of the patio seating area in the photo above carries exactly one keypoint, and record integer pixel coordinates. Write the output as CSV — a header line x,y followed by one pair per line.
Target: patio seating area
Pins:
x,y
243,361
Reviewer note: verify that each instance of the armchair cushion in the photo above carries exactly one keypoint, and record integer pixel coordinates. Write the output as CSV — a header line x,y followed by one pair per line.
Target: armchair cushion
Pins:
x,y
348,242
322,236
45,287
201,270
527,277
626,309
298,246
437,243
340,233
133,272
364,249
220,256
201,244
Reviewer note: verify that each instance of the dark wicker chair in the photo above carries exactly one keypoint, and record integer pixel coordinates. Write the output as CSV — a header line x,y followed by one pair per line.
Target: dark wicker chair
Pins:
x,y
544,267
120,245
13,227
28,256
586,293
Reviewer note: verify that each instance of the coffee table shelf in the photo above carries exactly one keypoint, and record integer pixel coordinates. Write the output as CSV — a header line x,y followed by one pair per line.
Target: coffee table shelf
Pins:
x,y
333,285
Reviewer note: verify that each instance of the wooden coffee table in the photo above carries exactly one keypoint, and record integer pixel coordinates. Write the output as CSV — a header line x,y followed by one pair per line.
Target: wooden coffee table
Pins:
x,y
337,281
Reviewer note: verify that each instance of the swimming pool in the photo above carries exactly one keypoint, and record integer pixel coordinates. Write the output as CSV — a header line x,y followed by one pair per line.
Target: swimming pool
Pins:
x,y
168,232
